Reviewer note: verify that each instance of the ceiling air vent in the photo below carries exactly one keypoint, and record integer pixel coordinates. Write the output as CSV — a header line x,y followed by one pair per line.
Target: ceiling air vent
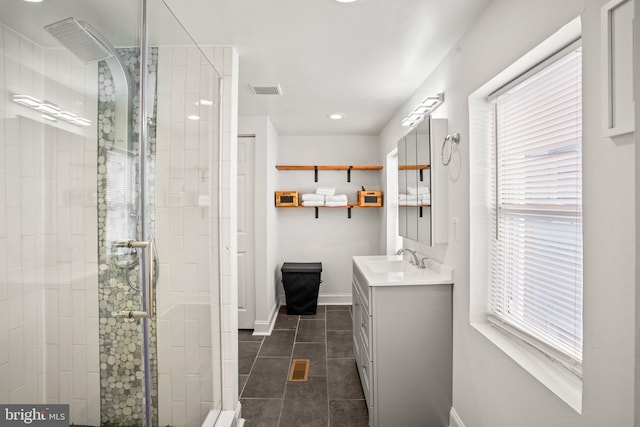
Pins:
x,y
273,89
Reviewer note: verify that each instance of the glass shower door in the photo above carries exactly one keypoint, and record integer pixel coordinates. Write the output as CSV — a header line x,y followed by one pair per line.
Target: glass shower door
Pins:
x,y
73,249
161,224
183,189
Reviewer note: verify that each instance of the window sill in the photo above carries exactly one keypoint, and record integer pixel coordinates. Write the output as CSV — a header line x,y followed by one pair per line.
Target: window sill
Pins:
x,y
556,378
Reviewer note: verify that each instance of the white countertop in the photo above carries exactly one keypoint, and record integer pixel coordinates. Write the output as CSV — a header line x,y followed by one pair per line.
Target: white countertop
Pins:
x,y
392,270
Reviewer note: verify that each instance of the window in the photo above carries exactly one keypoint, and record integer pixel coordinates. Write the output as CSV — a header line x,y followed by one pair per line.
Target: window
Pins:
x,y
535,248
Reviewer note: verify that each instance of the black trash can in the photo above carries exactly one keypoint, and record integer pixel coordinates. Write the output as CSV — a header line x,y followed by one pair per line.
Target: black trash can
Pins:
x,y
301,281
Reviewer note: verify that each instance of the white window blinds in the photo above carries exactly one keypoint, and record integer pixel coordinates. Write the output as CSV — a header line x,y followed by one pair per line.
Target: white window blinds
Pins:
x,y
536,249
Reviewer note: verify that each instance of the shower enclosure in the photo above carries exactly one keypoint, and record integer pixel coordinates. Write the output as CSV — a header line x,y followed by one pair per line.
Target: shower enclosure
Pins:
x,y
109,214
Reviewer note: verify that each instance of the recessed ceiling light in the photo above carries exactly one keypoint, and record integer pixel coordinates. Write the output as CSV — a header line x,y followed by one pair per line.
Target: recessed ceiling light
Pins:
x,y
336,116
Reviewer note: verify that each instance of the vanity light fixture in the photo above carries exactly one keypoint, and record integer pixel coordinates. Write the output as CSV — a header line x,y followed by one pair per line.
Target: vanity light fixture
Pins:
x,y
48,117
346,1
51,111
204,102
49,108
81,122
33,1
336,116
427,106
26,100
64,115
193,117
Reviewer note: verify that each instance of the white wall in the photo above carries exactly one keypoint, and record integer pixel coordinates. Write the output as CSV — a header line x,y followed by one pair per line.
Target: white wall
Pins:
x,y
332,239
226,62
265,224
489,389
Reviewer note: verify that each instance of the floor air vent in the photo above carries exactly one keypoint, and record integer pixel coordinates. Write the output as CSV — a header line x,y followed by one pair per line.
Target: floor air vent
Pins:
x,y
273,89
299,370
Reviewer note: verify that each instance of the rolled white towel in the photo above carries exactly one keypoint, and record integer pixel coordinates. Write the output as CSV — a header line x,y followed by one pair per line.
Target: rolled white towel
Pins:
x,y
312,197
313,203
337,198
409,203
425,199
326,191
417,190
407,197
336,204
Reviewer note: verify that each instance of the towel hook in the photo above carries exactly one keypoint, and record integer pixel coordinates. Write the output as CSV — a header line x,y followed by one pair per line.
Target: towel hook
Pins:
x,y
451,139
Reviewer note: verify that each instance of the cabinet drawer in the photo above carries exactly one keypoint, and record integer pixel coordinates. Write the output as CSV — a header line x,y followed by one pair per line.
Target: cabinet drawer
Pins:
x,y
356,314
361,319
361,284
362,352
364,327
366,377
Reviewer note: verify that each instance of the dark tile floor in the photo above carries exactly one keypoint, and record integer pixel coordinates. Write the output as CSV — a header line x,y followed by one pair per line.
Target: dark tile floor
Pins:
x,y
332,396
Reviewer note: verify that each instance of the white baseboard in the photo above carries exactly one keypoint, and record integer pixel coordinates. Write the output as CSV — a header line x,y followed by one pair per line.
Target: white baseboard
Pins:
x,y
334,299
326,299
454,419
264,327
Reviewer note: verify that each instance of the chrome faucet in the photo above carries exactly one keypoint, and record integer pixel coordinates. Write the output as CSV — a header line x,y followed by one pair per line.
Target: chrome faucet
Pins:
x,y
422,264
414,260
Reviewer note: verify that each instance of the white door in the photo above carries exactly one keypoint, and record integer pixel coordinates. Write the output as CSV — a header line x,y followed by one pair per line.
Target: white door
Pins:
x,y
246,276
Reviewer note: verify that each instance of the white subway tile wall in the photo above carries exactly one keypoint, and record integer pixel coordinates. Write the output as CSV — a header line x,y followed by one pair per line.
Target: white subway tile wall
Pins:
x,y
48,259
48,239
187,233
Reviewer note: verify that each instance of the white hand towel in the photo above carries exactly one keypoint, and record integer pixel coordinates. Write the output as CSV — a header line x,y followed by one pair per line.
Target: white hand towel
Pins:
x,y
312,197
423,189
407,197
326,191
337,198
313,203
336,204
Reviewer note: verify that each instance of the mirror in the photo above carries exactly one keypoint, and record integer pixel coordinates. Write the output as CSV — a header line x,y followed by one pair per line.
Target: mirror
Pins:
x,y
422,218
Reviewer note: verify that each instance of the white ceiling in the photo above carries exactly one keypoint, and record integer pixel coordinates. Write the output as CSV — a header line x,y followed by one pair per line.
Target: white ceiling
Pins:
x,y
363,59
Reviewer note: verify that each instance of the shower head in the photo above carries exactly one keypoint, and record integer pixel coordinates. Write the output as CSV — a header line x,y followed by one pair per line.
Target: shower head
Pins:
x,y
90,46
82,39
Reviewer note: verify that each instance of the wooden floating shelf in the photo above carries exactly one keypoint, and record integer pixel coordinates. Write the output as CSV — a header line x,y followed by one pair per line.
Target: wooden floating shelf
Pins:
x,y
316,168
328,167
317,208
413,167
416,206
350,205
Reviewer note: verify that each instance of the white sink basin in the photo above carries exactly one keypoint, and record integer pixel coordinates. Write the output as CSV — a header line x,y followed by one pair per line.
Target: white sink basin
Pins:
x,y
398,266
390,270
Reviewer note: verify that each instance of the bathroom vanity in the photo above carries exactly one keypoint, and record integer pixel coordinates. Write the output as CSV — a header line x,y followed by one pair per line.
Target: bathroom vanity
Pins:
x,y
402,334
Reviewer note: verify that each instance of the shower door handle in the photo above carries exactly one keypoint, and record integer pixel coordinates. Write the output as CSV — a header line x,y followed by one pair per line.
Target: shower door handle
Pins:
x,y
147,280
